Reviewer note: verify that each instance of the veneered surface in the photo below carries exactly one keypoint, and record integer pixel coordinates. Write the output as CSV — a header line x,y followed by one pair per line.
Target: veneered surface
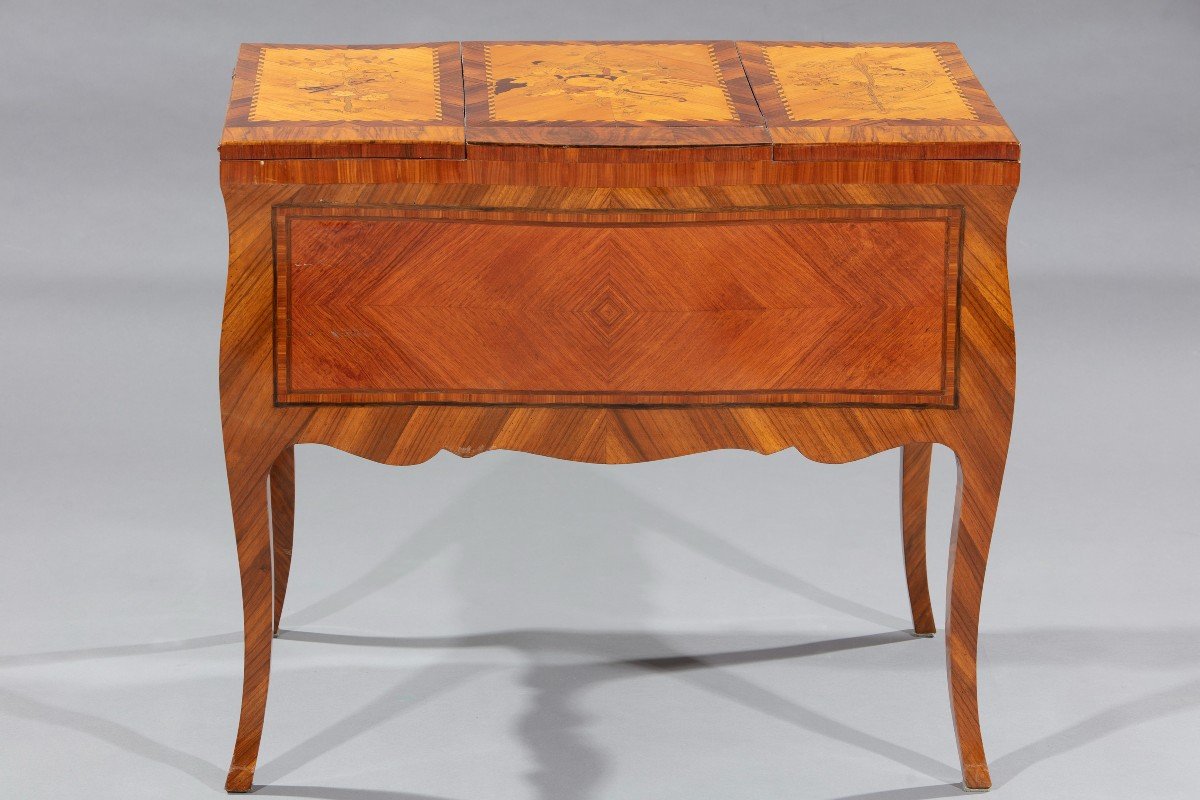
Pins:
x,y
613,102
874,101
627,82
801,305
535,100
822,84
327,101
365,84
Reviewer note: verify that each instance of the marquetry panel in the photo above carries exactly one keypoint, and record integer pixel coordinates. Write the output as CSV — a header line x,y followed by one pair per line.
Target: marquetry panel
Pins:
x,y
598,82
365,84
801,305
867,83
874,101
543,96
613,102
335,101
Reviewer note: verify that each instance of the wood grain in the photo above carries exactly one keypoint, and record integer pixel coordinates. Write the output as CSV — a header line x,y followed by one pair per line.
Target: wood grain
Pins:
x,y
257,429
396,101
890,100
347,84
914,491
282,481
532,100
802,305
251,525
646,167
599,102
980,473
596,82
607,173
819,83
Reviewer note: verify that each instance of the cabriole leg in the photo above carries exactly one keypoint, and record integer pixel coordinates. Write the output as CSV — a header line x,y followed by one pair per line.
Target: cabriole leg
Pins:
x,y
248,494
974,515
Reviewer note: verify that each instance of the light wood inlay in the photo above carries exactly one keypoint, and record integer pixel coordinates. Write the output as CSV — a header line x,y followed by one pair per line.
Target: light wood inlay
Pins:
x,y
361,84
608,101
869,83
889,101
606,82
351,101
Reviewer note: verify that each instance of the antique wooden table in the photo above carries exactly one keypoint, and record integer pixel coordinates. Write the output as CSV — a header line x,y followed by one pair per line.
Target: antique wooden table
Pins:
x,y
615,252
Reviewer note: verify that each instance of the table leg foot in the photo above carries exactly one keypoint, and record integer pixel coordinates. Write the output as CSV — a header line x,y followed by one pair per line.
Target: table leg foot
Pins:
x,y
240,780
976,778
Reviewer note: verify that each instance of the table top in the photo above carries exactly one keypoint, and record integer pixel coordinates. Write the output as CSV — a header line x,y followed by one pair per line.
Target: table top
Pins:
x,y
640,101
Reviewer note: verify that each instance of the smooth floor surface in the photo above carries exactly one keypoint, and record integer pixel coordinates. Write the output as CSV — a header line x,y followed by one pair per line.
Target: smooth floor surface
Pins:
x,y
507,627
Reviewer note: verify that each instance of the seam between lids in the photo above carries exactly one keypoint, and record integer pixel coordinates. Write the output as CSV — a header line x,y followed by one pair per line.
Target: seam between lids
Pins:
x,y
766,125
462,85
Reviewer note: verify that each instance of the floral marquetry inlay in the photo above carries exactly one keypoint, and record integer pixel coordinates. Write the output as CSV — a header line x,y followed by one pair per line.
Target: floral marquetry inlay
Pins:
x,y
603,82
347,84
821,82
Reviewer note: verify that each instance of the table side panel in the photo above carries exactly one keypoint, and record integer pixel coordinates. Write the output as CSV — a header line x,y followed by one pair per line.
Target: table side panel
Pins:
x,y
813,305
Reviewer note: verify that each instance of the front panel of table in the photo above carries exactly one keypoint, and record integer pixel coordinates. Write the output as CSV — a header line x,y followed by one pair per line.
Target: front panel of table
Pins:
x,y
261,413
809,304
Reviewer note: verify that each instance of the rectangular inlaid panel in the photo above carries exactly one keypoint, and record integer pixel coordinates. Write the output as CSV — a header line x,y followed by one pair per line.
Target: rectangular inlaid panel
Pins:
x,y
874,101
366,84
316,101
595,82
545,95
865,83
803,305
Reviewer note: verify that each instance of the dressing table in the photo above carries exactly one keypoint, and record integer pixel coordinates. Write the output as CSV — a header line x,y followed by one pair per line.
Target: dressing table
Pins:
x,y
615,252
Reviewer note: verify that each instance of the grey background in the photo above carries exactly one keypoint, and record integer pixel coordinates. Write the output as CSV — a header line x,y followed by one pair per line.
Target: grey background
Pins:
x,y
512,627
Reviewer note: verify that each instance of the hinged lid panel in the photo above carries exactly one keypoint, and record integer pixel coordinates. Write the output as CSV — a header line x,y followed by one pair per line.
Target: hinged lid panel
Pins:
x,y
639,102
583,100
843,101
325,101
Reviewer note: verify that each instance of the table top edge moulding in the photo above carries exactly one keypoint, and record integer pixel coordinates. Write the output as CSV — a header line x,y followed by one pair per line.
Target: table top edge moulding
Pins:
x,y
615,252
